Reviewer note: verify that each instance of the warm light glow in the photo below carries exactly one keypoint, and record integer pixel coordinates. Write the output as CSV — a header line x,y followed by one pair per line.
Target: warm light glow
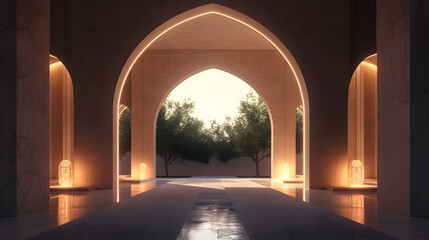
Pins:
x,y
298,76
65,173
213,100
56,64
285,169
65,203
369,64
142,170
122,108
355,173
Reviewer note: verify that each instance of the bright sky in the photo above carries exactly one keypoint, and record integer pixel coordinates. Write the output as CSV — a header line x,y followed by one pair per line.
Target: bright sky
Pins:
x,y
216,94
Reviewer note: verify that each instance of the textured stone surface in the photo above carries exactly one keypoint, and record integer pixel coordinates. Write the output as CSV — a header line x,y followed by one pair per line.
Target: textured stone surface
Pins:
x,y
32,103
403,106
25,120
393,41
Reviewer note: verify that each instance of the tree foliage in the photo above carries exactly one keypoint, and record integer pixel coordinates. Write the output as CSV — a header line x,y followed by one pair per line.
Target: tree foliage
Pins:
x,y
125,132
248,135
251,132
223,144
179,135
299,131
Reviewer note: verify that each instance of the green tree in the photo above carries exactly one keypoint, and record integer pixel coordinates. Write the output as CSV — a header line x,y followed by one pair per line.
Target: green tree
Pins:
x,y
125,132
179,135
251,132
223,144
299,131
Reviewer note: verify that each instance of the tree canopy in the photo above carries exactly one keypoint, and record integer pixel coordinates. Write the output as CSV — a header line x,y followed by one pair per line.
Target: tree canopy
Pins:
x,y
251,132
125,132
248,135
299,130
179,135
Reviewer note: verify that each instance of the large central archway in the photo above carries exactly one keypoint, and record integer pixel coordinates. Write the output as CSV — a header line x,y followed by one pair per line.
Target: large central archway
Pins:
x,y
230,15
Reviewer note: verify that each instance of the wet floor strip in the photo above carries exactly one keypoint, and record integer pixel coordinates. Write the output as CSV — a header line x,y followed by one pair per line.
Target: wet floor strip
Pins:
x,y
213,217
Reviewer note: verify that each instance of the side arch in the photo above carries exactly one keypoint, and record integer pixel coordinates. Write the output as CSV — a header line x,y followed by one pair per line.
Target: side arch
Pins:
x,y
362,121
61,119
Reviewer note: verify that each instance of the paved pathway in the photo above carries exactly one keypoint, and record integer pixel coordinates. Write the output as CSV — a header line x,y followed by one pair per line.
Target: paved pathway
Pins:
x,y
209,208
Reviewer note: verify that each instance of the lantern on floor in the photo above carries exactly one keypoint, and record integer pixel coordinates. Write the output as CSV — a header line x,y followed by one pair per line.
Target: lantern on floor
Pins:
x,y
65,173
142,170
355,173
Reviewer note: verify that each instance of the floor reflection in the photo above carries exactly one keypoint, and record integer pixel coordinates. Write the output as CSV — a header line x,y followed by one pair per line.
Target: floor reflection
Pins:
x,y
65,207
213,217
359,207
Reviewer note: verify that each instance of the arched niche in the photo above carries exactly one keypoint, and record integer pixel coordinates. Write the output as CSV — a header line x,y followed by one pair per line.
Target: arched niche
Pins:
x,y
61,118
362,117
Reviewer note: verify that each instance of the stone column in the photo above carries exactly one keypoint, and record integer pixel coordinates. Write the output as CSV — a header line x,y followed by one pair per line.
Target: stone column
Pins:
x,y
403,106
24,93
293,101
136,119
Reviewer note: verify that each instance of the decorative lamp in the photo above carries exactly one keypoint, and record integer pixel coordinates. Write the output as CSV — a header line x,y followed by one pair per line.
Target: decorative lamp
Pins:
x,y
355,173
142,170
65,173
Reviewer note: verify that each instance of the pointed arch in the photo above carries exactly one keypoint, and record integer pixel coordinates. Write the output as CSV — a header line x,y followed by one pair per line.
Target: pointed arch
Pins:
x,y
195,14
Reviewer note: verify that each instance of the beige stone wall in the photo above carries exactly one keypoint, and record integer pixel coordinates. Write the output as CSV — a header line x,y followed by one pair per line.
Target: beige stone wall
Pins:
x,y
393,96
244,167
32,106
159,71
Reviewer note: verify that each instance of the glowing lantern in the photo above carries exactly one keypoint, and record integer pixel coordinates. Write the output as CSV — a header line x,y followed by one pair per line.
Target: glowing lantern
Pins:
x,y
355,173
142,170
285,168
65,173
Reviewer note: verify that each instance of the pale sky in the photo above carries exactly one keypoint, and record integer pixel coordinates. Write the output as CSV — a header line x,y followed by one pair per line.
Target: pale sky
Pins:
x,y
216,94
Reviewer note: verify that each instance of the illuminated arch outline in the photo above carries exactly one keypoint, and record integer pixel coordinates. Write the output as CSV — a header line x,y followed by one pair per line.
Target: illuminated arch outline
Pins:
x,y
194,14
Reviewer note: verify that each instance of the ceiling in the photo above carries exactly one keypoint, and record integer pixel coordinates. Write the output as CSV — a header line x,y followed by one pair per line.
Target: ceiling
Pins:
x,y
212,32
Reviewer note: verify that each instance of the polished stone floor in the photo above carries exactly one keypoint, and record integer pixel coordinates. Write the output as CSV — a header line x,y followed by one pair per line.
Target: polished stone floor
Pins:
x,y
213,217
359,207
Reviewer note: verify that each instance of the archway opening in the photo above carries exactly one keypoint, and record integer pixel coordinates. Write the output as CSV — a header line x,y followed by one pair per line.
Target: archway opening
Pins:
x,y
125,141
244,35
299,131
213,124
61,124
362,124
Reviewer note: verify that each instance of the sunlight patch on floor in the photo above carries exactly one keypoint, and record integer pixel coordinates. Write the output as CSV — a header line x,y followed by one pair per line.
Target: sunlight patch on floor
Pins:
x,y
219,183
